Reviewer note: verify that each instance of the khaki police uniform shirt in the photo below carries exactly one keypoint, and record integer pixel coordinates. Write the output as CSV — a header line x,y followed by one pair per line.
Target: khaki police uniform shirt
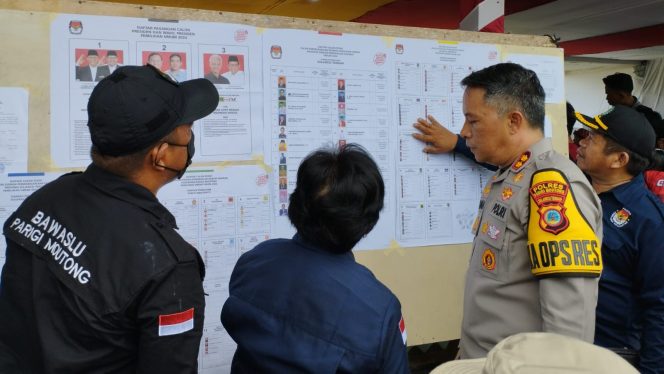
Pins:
x,y
536,255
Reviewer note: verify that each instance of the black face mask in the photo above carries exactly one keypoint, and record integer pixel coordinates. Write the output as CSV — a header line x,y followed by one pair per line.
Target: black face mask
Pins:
x,y
191,149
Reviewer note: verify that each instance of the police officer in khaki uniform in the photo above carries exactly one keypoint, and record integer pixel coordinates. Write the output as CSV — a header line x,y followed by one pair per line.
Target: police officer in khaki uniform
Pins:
x,y
536,253
97,279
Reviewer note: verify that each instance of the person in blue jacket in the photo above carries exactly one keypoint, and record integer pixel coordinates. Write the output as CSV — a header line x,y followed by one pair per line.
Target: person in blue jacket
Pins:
x,y
303,305
630,307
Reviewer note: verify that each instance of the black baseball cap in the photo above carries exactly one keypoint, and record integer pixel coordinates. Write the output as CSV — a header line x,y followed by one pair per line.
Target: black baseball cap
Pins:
x,y
136,106
619,81
626,127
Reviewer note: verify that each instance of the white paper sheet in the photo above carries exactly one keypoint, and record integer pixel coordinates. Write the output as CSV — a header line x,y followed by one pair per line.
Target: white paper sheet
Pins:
x,y
326,89
231,132
435,193
223,213
14,188
13,130
550,72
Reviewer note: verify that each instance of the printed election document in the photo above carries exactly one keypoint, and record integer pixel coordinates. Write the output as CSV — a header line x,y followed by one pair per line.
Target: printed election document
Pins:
x,y
14,188
90,48
436,195
549,70
223,212
325,89
13,130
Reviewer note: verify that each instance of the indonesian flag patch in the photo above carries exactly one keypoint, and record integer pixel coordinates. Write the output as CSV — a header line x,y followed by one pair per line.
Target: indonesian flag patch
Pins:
x,y
402,328
176,323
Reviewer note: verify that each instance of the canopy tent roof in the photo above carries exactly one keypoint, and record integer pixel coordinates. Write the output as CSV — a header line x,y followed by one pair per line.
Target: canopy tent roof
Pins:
x,y
596,29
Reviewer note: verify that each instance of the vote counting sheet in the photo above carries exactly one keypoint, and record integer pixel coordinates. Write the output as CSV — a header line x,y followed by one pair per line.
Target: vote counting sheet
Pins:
x,y
223,212
283,93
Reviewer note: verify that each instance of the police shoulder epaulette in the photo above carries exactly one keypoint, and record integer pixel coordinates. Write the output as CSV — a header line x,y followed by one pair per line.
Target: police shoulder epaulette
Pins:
x,y
521,162
561,242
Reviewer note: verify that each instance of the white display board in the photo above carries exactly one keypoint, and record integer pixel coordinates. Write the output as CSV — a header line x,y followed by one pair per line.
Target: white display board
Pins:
x,y
297,91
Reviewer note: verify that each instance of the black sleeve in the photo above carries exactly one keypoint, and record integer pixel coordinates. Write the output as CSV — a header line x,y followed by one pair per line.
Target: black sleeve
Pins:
x,y
654,118
170,321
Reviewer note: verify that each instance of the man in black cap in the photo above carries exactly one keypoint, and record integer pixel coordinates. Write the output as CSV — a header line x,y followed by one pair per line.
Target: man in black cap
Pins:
x,y
92,71
96,279
618,88
630,307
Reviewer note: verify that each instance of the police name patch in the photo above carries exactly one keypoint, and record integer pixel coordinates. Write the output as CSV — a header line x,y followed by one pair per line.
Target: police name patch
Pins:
x,y
499,210
560,240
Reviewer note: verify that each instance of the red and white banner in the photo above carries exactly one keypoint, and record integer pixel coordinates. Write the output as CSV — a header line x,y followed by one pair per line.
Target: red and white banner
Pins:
x,y
487,15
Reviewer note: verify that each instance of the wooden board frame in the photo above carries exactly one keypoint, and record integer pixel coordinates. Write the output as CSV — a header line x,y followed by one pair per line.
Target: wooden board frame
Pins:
x,y
428,280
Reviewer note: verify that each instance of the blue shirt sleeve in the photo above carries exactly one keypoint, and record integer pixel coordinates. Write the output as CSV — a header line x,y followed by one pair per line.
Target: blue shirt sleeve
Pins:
x,y
649,280
393,345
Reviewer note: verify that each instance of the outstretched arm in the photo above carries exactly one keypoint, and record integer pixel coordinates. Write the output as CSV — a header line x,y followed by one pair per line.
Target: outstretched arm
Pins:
x,y
439,139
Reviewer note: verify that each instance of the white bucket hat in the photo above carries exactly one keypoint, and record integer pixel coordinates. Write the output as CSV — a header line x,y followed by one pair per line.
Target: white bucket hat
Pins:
x,y
541,353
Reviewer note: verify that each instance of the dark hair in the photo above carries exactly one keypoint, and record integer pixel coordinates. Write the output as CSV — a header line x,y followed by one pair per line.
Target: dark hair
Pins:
x,y
571,118
619,82
657,160
125,165
175,55
509,87
636,164
338,197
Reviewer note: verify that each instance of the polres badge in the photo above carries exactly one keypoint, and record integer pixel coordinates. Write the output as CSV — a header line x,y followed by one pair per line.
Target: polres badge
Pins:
x,y
550,198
